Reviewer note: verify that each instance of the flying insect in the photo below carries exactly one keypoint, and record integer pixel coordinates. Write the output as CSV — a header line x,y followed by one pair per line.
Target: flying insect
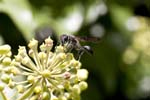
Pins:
x,y
73,42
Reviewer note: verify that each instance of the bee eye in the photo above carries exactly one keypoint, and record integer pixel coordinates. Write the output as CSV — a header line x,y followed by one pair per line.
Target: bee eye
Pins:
x,y
64,39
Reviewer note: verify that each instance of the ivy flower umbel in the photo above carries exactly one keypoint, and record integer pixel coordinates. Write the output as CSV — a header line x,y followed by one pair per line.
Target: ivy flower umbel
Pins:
x,y
47,75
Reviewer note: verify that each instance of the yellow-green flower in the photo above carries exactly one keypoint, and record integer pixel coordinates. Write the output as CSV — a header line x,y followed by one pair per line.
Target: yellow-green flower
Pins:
x,y
41,74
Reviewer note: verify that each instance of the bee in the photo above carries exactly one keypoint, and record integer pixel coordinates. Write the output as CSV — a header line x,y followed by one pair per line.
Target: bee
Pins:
x,y
73,42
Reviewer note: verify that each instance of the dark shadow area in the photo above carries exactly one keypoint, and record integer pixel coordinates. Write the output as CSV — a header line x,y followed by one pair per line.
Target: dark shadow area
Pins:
x,y
10,33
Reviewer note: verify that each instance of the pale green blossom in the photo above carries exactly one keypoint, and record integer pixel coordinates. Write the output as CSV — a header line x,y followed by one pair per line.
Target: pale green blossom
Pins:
x,y
40,74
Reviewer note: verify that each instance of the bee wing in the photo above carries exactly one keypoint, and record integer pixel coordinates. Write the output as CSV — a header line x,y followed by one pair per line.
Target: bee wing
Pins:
x,y
88,39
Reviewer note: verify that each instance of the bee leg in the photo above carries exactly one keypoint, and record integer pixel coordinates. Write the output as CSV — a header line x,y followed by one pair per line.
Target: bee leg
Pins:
x,y
88,49
83,49
80,53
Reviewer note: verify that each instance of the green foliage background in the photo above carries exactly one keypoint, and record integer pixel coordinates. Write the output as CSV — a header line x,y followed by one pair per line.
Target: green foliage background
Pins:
x,y
120,66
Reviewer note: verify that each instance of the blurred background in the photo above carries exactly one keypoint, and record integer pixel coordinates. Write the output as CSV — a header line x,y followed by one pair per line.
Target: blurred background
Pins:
x,y
120,66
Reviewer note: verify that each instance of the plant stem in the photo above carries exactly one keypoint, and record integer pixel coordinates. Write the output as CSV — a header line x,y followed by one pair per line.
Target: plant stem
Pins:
x,y
3,96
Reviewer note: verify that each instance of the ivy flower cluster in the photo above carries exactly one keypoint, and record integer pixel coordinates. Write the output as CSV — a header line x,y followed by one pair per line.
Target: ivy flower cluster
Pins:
x,y
41,74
